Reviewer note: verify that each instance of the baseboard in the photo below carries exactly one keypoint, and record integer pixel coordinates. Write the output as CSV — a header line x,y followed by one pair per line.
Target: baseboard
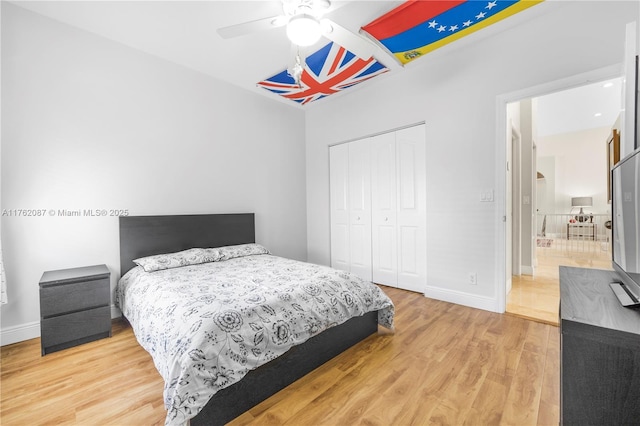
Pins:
x,y
465,299
22,332
526,270
115,312
19,333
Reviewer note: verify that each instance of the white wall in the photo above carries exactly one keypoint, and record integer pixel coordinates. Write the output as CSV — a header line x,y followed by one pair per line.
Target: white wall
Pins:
x,y
546,187
632,49
527,180
580,168
92,124
455,92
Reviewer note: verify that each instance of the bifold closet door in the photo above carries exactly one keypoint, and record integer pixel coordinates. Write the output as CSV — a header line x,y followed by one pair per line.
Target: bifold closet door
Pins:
x,y
360,208
398,208
383,210
350,187
378,208
339,188
411,208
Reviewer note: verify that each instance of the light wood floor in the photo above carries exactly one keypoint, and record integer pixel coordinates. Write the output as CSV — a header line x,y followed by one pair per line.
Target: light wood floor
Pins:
x,y
446,364
537,297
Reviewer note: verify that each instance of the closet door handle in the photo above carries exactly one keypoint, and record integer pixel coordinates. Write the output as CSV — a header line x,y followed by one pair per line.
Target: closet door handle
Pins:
x,y
386,219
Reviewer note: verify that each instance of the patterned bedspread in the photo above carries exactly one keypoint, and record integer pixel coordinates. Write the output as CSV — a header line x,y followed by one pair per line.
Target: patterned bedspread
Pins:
x,y
207,325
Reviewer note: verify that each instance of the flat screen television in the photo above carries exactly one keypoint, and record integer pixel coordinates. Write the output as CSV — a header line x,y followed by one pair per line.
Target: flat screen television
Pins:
x,y
625,209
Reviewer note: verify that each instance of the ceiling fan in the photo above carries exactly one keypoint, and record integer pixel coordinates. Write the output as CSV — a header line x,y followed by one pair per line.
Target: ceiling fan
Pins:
x,y
305,24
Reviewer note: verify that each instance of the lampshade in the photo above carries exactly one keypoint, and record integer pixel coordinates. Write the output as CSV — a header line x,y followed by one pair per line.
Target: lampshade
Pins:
x,y
581,201
303,30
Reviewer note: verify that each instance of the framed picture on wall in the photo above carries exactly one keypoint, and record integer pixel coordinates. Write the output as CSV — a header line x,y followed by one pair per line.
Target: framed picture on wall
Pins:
x,y
613,156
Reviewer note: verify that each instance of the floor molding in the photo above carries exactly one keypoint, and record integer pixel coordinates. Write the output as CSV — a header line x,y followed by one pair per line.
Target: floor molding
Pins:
x,y
19,333
461,298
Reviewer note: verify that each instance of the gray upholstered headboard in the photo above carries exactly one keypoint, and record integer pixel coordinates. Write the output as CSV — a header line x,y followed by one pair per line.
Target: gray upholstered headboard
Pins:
x,y
148,235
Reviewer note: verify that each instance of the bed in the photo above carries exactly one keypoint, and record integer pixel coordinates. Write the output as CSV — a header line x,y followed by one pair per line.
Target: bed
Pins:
x,y
223,280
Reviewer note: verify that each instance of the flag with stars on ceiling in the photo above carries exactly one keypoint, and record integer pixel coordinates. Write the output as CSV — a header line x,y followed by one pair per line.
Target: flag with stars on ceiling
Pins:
x,y
418,27
329,70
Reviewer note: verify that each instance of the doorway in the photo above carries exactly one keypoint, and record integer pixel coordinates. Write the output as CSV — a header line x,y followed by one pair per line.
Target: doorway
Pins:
x,y
531,276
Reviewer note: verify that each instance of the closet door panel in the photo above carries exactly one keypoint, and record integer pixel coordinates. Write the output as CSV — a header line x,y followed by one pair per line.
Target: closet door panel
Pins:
x,y
360,253
410,267
339,188
407,185
383,209
411,219
360,208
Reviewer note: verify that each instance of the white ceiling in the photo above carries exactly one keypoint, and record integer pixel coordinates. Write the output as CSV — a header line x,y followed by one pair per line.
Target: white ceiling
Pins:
x,y
581,108
184,32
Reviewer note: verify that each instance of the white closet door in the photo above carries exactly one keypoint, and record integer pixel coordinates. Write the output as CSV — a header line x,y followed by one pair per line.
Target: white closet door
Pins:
x,y
411,199
383,209
360,208
339,187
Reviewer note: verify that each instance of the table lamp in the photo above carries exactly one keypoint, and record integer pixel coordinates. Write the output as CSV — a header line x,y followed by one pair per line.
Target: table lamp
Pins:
x,y
581,202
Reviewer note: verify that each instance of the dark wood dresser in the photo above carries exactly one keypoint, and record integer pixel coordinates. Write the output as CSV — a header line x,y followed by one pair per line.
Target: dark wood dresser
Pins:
x,y
600,351
74,307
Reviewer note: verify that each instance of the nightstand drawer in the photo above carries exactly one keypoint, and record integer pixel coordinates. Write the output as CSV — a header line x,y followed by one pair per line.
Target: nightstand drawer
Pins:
x,y
72,329
72,297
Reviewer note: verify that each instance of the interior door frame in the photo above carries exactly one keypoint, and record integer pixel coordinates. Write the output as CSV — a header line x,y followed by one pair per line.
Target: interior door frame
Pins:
x,y
534,207
516,196
501,218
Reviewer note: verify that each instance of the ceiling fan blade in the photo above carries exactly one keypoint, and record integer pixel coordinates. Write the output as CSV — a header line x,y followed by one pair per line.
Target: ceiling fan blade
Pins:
x,y
354,43
335,5
252,26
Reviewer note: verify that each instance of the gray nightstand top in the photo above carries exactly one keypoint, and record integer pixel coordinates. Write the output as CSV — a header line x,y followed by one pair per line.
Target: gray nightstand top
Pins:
x,y
74,274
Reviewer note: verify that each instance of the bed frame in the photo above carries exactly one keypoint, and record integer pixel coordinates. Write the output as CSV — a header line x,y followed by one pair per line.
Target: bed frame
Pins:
x,y
148,235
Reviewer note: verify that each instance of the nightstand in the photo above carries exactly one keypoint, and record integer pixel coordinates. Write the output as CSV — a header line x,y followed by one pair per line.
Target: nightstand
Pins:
x,y
581,231
74,307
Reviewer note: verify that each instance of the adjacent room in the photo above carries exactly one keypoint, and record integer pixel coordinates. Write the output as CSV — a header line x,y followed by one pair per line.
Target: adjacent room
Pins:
x,y
378,174
571,132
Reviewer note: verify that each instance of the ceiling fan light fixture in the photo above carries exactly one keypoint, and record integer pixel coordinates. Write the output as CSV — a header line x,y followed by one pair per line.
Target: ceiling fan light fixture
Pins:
x,y
303,30
325,26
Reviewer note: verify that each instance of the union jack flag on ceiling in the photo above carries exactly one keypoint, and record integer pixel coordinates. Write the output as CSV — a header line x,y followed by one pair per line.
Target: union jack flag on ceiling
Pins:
x,y
329,70
417,27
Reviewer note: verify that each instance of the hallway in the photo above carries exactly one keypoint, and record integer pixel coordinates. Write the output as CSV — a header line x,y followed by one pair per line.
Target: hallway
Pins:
x,y
538,297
